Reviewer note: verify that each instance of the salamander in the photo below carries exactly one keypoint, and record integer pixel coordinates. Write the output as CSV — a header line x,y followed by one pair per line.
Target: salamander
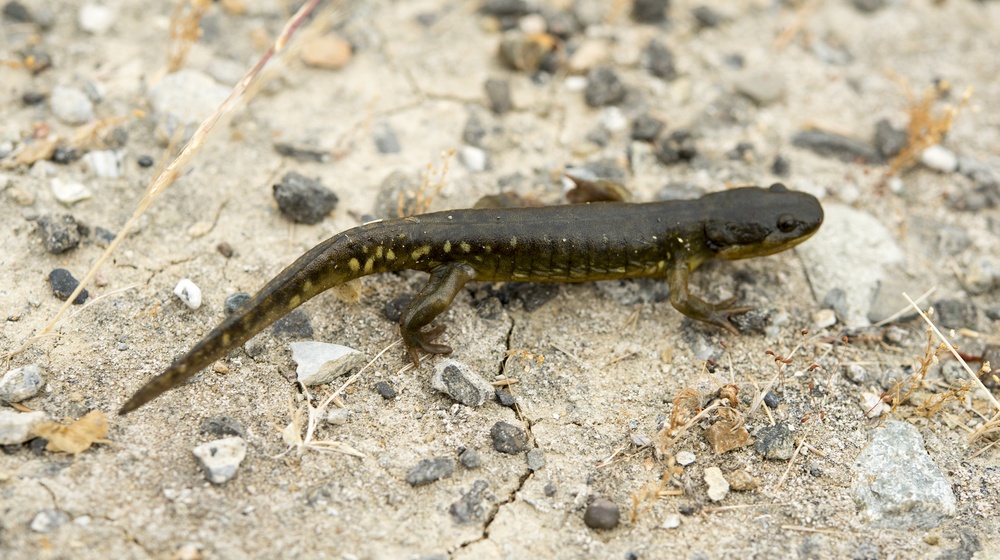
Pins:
x,y
570,243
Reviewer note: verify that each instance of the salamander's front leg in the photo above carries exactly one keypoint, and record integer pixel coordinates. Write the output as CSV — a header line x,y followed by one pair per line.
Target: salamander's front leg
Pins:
x,y
444,284
697,308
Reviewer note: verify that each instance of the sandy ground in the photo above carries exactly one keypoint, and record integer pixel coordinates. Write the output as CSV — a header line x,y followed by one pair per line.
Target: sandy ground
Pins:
x,y
595,376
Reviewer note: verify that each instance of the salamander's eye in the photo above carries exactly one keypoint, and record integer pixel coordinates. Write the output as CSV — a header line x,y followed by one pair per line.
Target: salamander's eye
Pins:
x,y
787,223
778,187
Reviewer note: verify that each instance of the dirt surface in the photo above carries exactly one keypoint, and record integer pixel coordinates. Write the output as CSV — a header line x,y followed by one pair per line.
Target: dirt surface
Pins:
x,y
597,378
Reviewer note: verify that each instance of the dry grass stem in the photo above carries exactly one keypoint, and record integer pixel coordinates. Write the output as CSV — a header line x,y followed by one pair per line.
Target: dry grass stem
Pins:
x,y
185,30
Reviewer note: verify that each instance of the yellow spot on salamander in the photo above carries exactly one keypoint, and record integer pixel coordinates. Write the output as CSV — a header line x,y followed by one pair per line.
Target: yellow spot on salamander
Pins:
x,y
447,245
294,302
225,339
354,264
513,242
466,248
368,265
488,249
417,253
365,249
378,252
389,255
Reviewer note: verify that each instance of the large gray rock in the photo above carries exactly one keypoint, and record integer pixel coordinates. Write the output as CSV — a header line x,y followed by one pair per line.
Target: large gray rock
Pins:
x,y
897,484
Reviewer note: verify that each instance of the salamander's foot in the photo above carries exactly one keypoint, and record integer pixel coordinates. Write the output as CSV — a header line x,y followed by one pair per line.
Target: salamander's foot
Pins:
x,y
720,313
417,341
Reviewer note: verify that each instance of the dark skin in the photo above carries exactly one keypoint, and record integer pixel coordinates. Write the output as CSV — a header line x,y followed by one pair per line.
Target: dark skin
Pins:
x,y
574,243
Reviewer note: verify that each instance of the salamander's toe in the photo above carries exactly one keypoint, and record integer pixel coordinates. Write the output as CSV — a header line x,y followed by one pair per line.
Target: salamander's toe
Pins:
x,y
421,341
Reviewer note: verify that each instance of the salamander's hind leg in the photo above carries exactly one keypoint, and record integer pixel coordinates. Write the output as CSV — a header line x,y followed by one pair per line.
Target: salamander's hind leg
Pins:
x,y
442,287
697,308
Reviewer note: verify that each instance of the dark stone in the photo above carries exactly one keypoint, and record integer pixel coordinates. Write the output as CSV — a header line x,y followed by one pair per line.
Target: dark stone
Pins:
x,y
459,382
869,6
889,140
602,513
679,146
225,249
430,470
490,309
508,438
771,399
688,509
64,155
505,8
470,459
550,489
234,301
956,313
650,11
60,232
836,146
385,390
103,237
32,98
145,161
982,196
116,137
561,24
294,325
535,459
505,397
474,131
63,283
223,426
754,321
775,442
386,141
706,17
646,128
393,309
469,509
305,151
303,200
498,93
16,12
532,296
603,87
742,151
659,60
600,136
781,166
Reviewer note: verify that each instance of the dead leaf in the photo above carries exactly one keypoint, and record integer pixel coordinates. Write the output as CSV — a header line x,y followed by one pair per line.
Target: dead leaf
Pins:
x,y
78,436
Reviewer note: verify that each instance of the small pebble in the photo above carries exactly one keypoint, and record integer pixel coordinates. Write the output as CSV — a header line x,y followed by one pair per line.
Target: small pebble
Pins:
x,y
220,459
329,52
474,158
872,405
145,161
707,17
470,459
823,318
685,458
338,416
832,145
48,520
223,426
225,249
603,87
498,94
679,146
613,119
385,390
889,140
982,274
508,438
742,481
775,442
95,19
386,141
310,150
184,99
21,383
303,200
602,513
650,11
939,158
505,397
588,55
188,292
19,427
550,489
60,232
69,192
106,164
64,155
671,521
71,105
869,6
16,12
771,399
780,166
763,87
458,381
536,459
234,301
647,128
430,470
718,486
393,309
955,313
473,132
659,60
320,363
726,435
294,325
63,283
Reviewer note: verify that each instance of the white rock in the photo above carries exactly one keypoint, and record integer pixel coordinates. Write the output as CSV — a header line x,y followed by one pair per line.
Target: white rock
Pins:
x,y
939,158
872,405
19,427
189,293
106,164
184,99
671,521
320,362
95,18
221,458
685,458
824,318
21,383
48,520
474,158
613,119
71,105
718,486
575,83
69,192
458,381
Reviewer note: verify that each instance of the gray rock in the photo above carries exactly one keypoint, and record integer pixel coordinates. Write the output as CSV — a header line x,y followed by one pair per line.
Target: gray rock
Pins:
x,y
850,253
60,232
430,470
956,313
16,12
303,200
889,140
63,283
602,513
69,192
677,147
183,100
508,438
659,60
470,459
71,105
888,299
21,383
320,363
603,87
650,11
896,483
221,458
19,427
385,390
234,301
707,17
775,442
832,145
536,459
764,86
223,426
869,6
386,141
106,164
469,508
459,382
498,94
474,132
48,520
982,274
646,128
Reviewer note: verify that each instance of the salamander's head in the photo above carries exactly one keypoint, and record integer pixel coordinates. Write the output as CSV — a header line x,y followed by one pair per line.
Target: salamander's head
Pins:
x,y
754,222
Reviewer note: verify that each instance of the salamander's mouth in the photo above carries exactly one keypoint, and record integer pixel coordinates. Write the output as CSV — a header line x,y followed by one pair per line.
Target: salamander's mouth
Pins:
x,y
774,243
